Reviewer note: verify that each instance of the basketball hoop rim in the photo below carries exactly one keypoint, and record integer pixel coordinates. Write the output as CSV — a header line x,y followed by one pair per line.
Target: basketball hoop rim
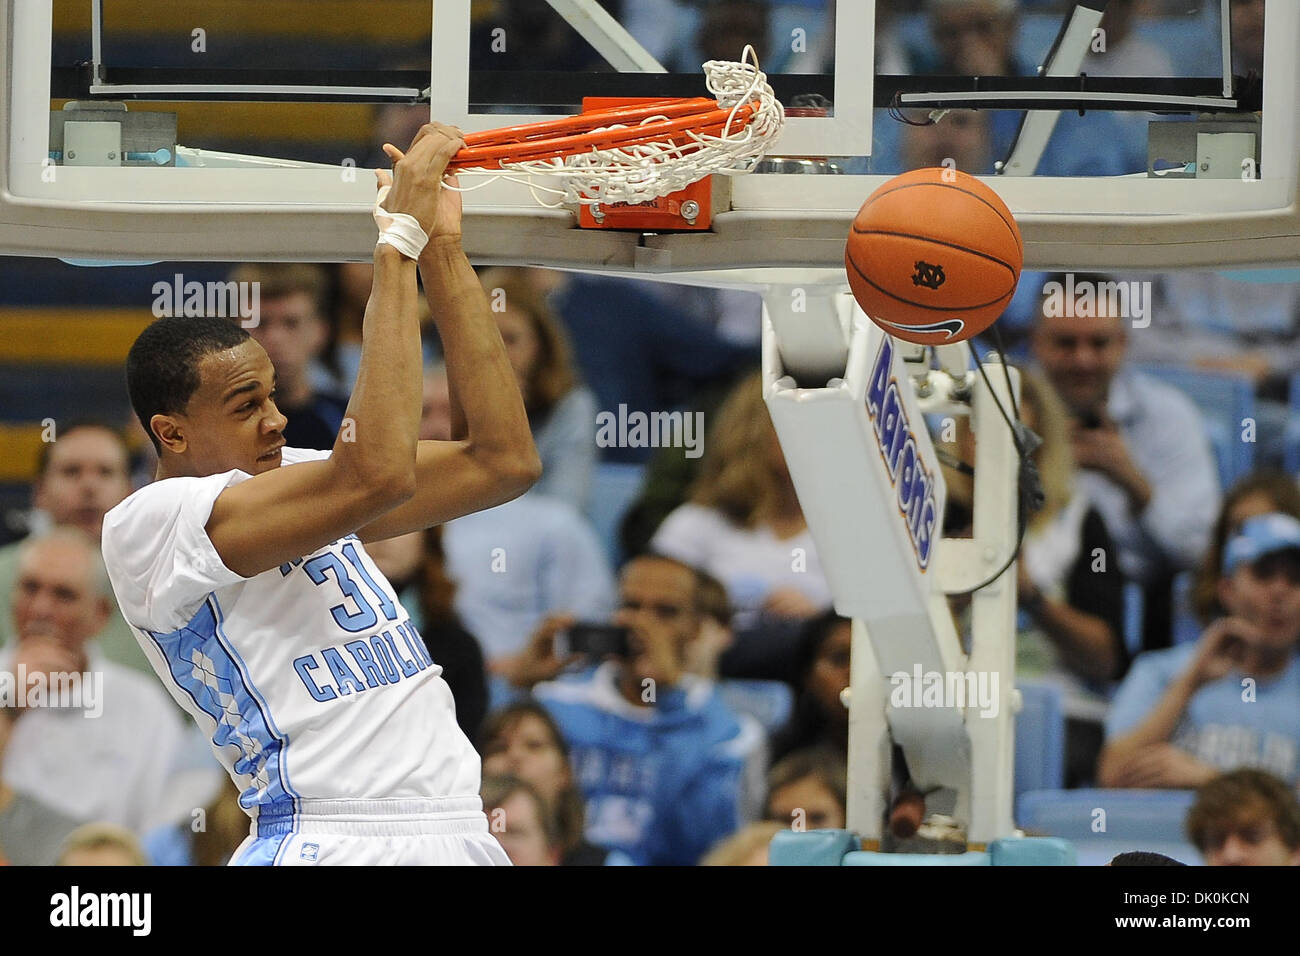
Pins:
x,y
678,121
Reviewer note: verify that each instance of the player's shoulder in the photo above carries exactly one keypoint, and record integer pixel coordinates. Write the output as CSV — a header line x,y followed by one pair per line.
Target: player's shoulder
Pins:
x,y
169,492
145,503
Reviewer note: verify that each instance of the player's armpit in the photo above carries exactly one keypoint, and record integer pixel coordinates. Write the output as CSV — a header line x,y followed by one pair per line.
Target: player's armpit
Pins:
x,y
283,514
452,480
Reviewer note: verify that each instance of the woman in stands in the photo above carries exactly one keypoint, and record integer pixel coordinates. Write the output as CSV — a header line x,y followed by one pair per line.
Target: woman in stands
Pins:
x,y
561,410
522,740
743,524
819,718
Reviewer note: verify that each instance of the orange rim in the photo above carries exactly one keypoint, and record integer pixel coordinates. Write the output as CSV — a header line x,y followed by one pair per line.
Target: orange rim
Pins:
x,y
575,135
588,120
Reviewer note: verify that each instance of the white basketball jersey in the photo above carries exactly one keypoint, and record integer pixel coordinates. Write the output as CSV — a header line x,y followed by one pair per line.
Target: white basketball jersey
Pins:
x,y
309,678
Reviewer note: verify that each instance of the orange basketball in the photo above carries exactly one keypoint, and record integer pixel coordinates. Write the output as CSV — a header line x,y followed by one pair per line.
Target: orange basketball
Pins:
x,y
934,256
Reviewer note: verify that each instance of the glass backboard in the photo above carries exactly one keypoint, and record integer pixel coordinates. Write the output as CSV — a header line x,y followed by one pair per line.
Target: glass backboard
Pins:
x,y
249,126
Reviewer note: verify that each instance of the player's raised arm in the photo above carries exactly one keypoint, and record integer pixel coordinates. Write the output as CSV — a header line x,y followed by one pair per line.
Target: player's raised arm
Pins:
x,y
496,459
284,513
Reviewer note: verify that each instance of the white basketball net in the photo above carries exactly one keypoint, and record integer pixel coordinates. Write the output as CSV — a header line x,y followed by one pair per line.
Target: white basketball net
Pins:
x,y
635,174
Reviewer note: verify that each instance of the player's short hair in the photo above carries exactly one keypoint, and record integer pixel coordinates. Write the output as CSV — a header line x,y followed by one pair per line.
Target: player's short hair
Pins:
x,y
1239,794
162,368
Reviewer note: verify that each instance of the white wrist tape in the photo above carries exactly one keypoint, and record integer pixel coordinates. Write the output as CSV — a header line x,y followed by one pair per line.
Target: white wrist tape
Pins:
x,y
399,230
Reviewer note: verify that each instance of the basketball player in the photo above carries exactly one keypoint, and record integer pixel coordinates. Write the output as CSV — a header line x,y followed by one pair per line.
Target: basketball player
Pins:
x,y
244,569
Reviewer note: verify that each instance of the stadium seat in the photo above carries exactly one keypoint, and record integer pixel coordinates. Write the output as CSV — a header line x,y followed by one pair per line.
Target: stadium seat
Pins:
x,y
868,858
614,487
839,848
811,847
1040,739
1225,400
1102,823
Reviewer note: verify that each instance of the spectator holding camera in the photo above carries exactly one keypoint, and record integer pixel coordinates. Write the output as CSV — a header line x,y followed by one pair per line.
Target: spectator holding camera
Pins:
x,y
666,768
1229,700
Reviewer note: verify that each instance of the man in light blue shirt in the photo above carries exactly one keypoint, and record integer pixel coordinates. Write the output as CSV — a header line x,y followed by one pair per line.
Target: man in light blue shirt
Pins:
x,y
1184,714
